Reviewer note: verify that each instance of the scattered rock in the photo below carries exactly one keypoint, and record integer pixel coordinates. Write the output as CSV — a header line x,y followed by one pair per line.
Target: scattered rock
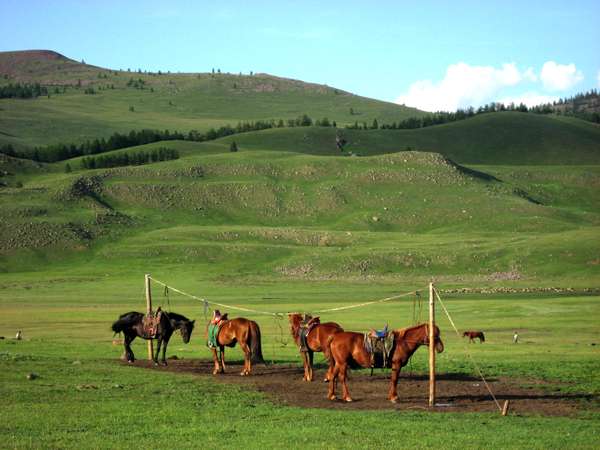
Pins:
x,y
117,386
77,362
82,387
32,376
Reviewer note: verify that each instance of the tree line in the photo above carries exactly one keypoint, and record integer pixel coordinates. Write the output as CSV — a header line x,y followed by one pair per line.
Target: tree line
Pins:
x,y
24,90
61,152
129,158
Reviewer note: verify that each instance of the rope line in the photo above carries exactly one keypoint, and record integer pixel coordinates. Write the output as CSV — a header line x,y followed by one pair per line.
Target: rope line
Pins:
x,y
239,308
467,351
279,314
387,299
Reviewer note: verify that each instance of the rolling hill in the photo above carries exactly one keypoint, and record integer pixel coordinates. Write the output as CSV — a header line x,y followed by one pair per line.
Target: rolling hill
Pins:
x,y
124,100
501,197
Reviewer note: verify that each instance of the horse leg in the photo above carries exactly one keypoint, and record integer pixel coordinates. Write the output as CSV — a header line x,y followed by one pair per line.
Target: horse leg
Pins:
x,y
393,392
329,373
155,356
305,365
128,352
164,351
247,362
311,355
343,379
217,368
332,383
222,355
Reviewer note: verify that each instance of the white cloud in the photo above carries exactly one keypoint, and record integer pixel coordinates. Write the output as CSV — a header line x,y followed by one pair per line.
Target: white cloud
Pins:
x,y
463,85
559,77
529,99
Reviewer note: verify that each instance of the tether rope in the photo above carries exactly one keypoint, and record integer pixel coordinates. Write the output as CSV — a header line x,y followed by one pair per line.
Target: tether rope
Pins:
x,y
279,314
467,351
387,299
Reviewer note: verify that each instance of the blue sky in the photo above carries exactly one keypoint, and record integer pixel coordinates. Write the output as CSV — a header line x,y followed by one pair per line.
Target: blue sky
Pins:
x,y
429,54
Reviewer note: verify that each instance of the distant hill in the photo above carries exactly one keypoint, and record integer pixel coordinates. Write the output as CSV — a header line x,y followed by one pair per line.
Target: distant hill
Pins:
x,y
497,138
88,102
585,106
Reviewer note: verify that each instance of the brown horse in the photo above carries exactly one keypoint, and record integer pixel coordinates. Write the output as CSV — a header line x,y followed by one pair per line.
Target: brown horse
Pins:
x,y
348,348
241,330
474,334
314,339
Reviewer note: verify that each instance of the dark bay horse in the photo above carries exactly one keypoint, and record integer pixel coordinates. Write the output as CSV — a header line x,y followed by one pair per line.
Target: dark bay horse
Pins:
x,y
347,348
474,334
131,324
315,341
244,331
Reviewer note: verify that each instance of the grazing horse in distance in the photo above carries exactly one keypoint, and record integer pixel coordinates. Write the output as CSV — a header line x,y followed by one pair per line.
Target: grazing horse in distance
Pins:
x,y
312,336
227,334
131,324
474,334
348,348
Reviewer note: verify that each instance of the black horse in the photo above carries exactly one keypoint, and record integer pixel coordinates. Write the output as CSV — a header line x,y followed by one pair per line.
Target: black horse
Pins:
x,y
131,324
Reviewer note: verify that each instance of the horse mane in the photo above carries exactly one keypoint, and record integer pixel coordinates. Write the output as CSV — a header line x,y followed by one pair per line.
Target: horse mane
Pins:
x,y
177,317
402,331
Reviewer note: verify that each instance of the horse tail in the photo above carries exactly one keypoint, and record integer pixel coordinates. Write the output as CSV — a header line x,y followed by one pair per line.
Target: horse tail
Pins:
x,y
482,337
255,346
125,321
329,339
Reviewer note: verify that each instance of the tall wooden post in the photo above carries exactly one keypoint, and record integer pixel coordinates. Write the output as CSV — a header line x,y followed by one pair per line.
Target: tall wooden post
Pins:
x,y
431,347
149,310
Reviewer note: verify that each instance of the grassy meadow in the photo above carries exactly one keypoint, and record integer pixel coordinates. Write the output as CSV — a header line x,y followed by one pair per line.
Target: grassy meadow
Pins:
x,y
501,211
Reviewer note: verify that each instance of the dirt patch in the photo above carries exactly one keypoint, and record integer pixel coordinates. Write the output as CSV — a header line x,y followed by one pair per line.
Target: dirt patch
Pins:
x,y
455,392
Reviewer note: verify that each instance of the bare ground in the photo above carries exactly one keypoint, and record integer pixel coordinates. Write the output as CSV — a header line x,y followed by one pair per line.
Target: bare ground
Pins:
x,y
283,384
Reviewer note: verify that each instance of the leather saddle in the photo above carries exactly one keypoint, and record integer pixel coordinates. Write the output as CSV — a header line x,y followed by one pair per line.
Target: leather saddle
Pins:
x,y
307,325
151,322
217,321
379,344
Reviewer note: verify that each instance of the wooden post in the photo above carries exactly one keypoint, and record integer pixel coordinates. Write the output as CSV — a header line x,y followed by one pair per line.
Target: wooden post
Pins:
x,y
505,408
148,311
431,347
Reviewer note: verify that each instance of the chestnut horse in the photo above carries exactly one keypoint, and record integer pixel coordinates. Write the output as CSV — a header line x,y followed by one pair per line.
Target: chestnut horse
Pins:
x,y
474,334
347,348
241,330
316,341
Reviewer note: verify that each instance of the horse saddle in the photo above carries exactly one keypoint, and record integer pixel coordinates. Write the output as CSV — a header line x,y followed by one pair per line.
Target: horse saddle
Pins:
x,y
379,343
217,321
306,327
150,323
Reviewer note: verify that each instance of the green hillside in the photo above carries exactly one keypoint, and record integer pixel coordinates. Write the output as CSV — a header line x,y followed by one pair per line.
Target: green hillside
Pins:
x,y
160,101
291,215
509,138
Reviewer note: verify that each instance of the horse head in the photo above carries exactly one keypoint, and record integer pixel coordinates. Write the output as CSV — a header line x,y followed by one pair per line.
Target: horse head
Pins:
x,y
186,327
439,345
296,320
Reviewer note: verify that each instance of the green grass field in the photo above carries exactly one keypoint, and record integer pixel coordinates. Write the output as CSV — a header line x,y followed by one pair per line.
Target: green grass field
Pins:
x,y
289,223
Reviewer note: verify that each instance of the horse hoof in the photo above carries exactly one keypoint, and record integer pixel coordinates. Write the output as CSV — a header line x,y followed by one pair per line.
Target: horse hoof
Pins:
x,y
326,380
164,363
333,398
394,400
347,399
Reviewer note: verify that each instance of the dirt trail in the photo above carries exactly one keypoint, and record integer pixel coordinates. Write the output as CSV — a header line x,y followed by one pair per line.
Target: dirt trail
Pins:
x,y
455,392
